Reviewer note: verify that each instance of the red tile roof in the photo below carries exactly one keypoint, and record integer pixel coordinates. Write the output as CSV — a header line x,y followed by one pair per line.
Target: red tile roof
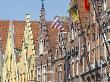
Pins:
x,y
35,30
19,29
18,33
4,27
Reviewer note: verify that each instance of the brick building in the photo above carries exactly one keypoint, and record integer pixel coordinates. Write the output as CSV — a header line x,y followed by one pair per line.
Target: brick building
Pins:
x,y
48,45
14,58
41,40
79,54
87,48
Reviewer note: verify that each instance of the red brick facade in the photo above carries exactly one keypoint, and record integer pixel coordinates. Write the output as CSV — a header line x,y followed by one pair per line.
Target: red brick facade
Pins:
x,y
92,38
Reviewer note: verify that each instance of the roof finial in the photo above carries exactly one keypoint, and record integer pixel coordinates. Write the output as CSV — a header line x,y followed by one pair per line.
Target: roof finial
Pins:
x,y
42,3
42,17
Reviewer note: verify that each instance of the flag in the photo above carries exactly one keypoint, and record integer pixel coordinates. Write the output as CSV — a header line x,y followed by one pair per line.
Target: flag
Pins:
x,y
57,23
74,11
87,5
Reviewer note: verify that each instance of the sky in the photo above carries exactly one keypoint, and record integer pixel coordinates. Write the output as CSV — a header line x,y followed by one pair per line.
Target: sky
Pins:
x,y
16,9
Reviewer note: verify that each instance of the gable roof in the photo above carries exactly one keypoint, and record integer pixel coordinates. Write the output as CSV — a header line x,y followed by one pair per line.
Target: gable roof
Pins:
x,y
4,27
19,29
18,32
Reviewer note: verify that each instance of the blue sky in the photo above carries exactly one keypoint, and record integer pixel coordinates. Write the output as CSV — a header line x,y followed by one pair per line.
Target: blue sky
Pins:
x,y
16,9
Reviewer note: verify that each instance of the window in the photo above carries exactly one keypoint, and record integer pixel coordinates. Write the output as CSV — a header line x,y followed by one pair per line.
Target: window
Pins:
x,y
83,63
31,75
60,73
11,57
73,31
69,36
88,46
24,79
73,69
18,75
44,42
21,77
56,51
77,68
59,76
82,50
108,43
109,30
60,50
88,53
105,5
41,47
44,73
97,36
93,36
28,37
38,74
72,34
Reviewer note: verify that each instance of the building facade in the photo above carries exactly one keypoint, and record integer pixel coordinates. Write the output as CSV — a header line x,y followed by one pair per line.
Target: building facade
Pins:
x,y
35,52
89,42
18,62
47,68
26,64
9,64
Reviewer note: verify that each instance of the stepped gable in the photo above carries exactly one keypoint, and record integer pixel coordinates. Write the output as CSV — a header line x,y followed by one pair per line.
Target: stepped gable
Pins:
x,y
18,29
19,32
